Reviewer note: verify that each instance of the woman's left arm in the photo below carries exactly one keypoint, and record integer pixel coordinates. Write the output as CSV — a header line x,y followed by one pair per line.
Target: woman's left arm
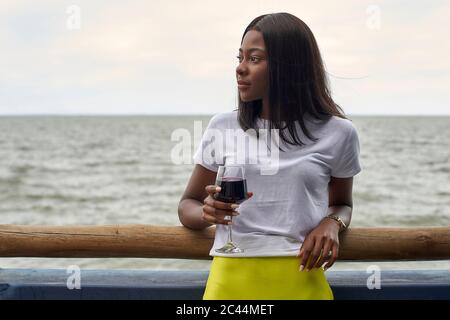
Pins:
x,y
324,239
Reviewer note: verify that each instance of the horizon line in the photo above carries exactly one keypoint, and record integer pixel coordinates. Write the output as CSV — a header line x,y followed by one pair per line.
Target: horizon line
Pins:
x,y
197,114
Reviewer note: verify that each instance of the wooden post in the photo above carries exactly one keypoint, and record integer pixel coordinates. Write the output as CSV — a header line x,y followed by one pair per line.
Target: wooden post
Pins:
x,y
177,242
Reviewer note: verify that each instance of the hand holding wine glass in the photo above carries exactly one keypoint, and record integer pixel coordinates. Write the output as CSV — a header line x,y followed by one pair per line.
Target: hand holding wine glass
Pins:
x,y
215,211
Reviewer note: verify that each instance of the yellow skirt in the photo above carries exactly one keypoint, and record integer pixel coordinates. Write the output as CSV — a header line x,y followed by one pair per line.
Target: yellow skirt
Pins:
x,y
265,278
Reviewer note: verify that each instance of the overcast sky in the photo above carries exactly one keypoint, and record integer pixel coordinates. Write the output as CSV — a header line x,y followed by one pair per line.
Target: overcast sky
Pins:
x,y
178,57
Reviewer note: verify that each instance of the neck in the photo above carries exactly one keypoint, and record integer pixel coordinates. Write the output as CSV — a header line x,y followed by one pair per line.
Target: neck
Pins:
x,y
265,108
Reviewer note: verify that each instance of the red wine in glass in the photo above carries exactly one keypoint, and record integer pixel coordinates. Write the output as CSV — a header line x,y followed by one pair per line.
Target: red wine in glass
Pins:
x,y
233,189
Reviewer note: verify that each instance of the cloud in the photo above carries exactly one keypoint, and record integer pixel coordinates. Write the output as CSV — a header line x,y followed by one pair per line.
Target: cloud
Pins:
x,y
174,56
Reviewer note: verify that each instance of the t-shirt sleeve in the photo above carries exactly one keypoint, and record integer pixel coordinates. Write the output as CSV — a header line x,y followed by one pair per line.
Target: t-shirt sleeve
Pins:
x,y
346,163
209,152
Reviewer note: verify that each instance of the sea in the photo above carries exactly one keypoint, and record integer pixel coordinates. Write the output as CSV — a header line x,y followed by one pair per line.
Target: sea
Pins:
x,y
95,170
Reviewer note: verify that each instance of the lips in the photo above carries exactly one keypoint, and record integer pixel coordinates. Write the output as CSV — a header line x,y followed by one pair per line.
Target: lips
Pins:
x,y
243,83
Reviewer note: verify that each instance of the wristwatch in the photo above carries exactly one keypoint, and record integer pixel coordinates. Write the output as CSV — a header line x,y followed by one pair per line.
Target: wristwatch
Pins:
x,y
338,219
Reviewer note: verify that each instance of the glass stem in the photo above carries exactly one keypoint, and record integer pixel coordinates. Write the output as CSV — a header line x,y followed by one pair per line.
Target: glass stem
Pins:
x,y
230,238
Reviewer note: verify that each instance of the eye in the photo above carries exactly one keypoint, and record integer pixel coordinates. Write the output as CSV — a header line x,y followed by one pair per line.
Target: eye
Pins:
x,y
253,59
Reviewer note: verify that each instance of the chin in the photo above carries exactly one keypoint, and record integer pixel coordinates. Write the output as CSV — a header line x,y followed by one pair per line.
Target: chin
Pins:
x,y
246,98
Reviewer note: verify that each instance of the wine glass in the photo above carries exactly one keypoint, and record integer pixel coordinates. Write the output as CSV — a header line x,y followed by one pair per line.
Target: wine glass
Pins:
x,y
233,186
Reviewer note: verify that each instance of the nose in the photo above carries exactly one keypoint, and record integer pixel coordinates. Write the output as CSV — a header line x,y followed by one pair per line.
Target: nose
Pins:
x,y
240,70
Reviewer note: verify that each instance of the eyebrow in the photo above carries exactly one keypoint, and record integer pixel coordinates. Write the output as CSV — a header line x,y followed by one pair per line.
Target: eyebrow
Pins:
x,y
252,49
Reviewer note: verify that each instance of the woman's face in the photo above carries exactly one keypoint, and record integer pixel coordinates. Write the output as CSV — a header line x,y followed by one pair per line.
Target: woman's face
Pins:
x,y
252,68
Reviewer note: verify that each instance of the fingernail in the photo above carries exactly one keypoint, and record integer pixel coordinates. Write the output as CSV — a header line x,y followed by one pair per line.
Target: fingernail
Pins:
x,y
234,206
301,268
218,189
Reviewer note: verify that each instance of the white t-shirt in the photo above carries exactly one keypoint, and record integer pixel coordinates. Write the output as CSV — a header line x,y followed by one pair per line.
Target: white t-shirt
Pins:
x,y
291,200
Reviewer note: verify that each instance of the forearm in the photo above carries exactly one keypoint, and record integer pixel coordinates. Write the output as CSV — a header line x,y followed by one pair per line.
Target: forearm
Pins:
x,y
190,213
343,212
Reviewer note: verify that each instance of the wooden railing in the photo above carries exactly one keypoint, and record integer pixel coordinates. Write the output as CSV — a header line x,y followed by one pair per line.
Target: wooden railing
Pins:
x,y
177,242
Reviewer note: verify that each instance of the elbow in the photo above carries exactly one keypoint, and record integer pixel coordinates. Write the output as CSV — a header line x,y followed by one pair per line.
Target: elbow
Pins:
x,y
188,219
181,214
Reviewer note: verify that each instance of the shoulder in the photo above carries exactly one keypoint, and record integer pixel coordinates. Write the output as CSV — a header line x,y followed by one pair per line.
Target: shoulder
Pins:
x,y
223,119
343,126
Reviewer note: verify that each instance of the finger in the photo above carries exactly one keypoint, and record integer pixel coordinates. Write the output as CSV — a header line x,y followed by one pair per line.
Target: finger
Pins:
x,y
333,257
213,219
300,253
218,213
331,261
209,218
314,255
219,204
249,195
305,251
324,256
211,189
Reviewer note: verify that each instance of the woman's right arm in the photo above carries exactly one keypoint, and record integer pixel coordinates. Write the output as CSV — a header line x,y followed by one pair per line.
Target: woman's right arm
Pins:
x,y
196,198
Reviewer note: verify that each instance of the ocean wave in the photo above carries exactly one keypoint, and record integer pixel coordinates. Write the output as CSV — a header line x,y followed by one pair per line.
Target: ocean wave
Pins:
x,y
92,164
70,198
11,181
442,169
22,169
96,145
24,148
124,162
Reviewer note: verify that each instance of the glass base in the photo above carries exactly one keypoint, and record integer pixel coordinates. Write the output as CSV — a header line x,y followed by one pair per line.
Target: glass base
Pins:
x,y
230,247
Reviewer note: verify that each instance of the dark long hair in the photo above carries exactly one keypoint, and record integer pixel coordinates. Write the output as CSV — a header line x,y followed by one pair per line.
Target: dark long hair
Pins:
x,y
298,84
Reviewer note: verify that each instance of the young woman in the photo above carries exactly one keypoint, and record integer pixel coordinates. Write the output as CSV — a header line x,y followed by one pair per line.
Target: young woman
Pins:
x,y
289,224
